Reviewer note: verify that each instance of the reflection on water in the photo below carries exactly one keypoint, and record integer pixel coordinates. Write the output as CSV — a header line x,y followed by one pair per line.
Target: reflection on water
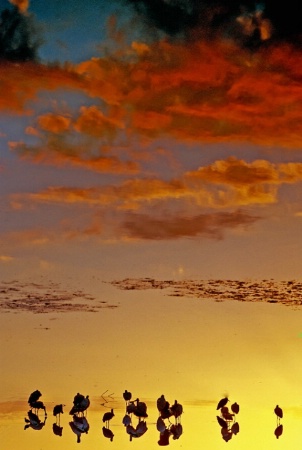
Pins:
x,y
165,430
134,421
177,359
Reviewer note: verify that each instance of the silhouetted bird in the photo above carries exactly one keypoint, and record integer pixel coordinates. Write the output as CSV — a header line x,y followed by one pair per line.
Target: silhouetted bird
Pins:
x,y
235,408
127,395
176,409
38,405
278,411
222,403
108,433
108,416
131,407
78,398
141,409
161,403
81,404
58,409
34,396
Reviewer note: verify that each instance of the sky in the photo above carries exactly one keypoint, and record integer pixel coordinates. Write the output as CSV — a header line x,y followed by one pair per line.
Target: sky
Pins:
x,y
146,138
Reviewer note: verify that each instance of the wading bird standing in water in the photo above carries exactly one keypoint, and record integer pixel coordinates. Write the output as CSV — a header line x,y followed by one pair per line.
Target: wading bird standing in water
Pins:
x,y
222,403
107,417
58,409
127,396
34,396
235,408
279,413
80,404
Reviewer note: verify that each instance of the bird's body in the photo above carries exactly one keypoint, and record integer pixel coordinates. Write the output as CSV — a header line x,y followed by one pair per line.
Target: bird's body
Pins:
x,y
34,396
161,402
235,408
38,405
279,412
127,396
78,398
58,409
80,404
108,416
176,409
141,409
222,403
131,407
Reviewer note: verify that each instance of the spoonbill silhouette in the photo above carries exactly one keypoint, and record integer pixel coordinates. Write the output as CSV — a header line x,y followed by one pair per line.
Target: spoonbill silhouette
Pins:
x,y
222,403
279,412
127,395
235,408
108,416
58,409
80,404
34,396
176,409
38,405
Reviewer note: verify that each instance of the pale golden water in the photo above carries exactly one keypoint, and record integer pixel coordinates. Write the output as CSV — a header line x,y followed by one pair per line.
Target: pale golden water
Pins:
x,y
193,350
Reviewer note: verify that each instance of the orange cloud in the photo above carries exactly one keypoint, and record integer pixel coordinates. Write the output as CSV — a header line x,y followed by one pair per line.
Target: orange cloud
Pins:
x,y
199,92
59,153
20,83
92,121
54,123
202,92
22,5
223,184
237,172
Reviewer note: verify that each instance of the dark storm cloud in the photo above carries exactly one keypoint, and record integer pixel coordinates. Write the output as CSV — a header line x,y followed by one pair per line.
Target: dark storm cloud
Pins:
x,y
249,22
18,36
213,225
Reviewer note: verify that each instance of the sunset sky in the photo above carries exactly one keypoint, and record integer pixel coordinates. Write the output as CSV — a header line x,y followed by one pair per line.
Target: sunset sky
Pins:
x,y
150,139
